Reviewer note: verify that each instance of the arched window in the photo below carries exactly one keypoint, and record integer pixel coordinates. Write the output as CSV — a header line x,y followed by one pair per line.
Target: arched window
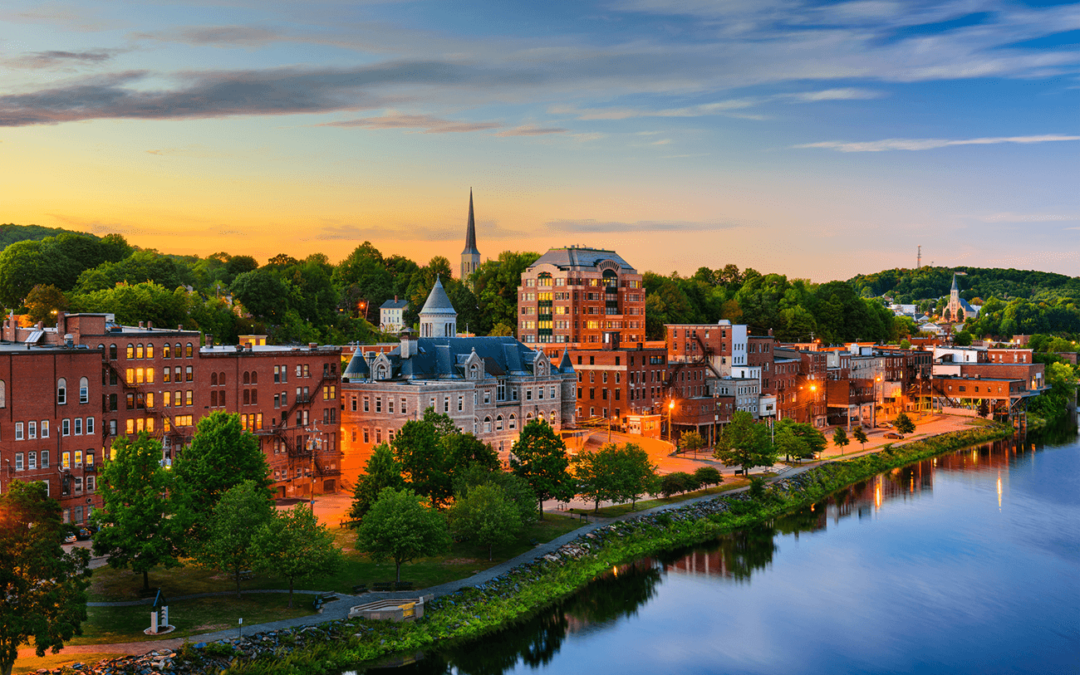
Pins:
x,y
139,351
61,391
449,330
150,351
474,371
213,379
84,390
247,377
165,351
498,423
254,377
487,424
189,352
130,351
512,422
177,351
528,416
221,379
553,417
112,352
540,416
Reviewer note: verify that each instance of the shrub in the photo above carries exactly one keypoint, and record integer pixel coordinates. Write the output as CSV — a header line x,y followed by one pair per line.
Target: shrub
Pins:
x,y
757,487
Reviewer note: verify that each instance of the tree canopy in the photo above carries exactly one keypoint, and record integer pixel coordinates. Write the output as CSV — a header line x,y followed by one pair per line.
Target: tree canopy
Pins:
x,y
539,456
400,528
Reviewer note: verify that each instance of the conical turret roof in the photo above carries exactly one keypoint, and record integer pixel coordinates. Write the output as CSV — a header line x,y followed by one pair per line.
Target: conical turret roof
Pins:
x,y
438,302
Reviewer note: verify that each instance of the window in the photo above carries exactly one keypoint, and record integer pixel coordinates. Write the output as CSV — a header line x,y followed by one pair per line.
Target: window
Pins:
x,y
138,351
177,377
498,423
150,375
112,352
78,426
188,352
61,391
487,396
277,374
18,461
188,397
403,406
367,404
150,351
512,421
130,353
31,430
299,371
44,459
166,375
190,374
284,373
90,424
31,460
446,404
84,390
112,427
460,403
165,351
65,460
78,458
65,427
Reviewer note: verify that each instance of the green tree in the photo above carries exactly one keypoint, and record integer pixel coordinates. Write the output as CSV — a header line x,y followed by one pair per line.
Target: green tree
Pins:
x,y
134,303
860,435
516,488
635,474
745,443
539,456
1061,380
43,303
904,424
788,443
675,483
42,587
381,471
221,455
400,528
486,516
840,439
432,451
230,533
139,527
708,475
692,441
294,545
596,474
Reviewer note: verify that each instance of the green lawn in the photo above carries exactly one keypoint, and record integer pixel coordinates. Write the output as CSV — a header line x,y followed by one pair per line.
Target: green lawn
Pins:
x,y
191,617
622,509
462,561
54,661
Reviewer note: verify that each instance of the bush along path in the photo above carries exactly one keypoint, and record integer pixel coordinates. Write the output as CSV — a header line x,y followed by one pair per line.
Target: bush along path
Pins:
x,y
474,610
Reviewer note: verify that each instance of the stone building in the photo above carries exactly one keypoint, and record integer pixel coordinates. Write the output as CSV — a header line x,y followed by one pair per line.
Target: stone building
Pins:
x,y
489,386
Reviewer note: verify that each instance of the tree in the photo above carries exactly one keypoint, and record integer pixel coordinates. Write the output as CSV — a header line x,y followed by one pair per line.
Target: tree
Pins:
x,y
43,303
42,588
692,441
381,471
432,451
595,471
840,439
788,443
294,545
674,483
744,443
635,474
860,436
708,475
539,456
516,488
487,516
221,456
904,424
230,532
140,528
400,528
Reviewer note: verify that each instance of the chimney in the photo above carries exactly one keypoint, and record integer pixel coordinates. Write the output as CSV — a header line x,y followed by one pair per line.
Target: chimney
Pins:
x,y
69,341
61,320
141,325
179,326
209,340
408,344
150,325
395,298
312,345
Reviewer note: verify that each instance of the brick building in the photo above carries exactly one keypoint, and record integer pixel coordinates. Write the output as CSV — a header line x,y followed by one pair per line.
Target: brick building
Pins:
x,y
51,423
575,295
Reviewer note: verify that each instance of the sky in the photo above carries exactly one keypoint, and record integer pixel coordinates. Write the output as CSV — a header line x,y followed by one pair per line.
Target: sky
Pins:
x,y
819,140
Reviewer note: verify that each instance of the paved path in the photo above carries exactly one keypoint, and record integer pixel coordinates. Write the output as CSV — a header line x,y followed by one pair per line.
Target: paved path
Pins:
x,y
340,608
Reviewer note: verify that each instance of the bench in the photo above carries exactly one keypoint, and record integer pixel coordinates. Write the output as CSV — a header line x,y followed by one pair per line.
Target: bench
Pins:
x,y
403,586
321,600
359,589
382,586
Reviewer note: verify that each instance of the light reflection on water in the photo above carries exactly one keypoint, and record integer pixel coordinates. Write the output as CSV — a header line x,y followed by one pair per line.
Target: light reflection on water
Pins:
x,y
966,563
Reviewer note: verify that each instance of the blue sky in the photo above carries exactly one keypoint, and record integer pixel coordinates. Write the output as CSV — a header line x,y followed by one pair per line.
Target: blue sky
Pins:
x,y
815,139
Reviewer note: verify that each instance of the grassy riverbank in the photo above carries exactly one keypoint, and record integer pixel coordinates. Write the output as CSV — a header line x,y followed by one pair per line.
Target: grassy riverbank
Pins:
x,y
475,612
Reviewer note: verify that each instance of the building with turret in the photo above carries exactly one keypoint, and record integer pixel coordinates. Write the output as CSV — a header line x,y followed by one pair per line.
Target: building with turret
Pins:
x,y
958,310
470,257
488,386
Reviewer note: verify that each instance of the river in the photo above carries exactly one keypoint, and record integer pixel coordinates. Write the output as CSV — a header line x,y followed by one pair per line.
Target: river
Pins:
x,y
967,563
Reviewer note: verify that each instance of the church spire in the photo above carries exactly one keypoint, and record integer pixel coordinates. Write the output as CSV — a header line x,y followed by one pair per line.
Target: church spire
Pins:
x,y
470,233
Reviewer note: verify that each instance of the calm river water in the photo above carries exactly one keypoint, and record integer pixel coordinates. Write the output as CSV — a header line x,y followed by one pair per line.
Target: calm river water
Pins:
x,y
969,563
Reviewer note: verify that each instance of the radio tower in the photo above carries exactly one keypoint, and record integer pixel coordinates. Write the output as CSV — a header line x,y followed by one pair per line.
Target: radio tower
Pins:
x,y
918,266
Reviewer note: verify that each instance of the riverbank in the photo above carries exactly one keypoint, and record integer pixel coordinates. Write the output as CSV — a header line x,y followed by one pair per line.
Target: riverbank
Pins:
x,y
472,612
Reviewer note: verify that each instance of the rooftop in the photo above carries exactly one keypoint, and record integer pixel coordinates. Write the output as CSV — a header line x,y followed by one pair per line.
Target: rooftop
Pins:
x,y
573,258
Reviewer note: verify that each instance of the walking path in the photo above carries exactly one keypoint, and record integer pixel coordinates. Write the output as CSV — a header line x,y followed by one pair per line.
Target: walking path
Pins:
x,y
339,609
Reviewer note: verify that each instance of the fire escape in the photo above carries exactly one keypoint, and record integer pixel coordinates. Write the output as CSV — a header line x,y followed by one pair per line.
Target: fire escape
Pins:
x,y
296,449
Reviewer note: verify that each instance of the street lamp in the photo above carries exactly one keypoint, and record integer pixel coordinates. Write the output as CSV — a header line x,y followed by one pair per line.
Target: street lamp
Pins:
x,y
670,409
362,306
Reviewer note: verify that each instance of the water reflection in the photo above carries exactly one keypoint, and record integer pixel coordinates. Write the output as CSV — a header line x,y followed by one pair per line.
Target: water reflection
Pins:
x,y
603,607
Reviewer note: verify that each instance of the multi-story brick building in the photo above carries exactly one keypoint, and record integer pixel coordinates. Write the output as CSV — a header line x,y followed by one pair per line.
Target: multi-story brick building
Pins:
x,y
489,386
161,381
50,422
613,382
577,295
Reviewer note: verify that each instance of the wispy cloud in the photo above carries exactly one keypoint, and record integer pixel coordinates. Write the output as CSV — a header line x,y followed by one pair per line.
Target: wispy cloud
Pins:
x,y
1029,218
931,143
427,124
599,226
411,232
57,58
531,130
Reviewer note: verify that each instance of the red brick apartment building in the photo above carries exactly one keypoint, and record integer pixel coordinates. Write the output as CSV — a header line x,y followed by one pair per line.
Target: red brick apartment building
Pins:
x,y
162,381
618,381
576,295
50,422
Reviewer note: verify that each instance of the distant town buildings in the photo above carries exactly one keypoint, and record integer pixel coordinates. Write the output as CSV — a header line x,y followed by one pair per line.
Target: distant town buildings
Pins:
x,y
392,315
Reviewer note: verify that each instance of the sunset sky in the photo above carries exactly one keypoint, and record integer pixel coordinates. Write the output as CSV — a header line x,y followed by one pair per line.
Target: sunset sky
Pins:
x,y
815,139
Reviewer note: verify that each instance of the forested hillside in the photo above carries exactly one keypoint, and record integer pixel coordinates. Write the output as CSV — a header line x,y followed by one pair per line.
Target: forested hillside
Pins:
x,y
314,300
11,233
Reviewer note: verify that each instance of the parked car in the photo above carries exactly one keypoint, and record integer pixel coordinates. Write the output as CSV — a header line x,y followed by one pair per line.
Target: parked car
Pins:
x,y
893,434
83,534
70,539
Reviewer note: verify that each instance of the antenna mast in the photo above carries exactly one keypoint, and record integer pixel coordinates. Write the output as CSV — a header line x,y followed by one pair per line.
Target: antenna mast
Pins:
x,y
919,265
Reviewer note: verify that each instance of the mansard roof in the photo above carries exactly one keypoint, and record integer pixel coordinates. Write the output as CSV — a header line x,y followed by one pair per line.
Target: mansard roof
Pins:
x,y
445,358
581,259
